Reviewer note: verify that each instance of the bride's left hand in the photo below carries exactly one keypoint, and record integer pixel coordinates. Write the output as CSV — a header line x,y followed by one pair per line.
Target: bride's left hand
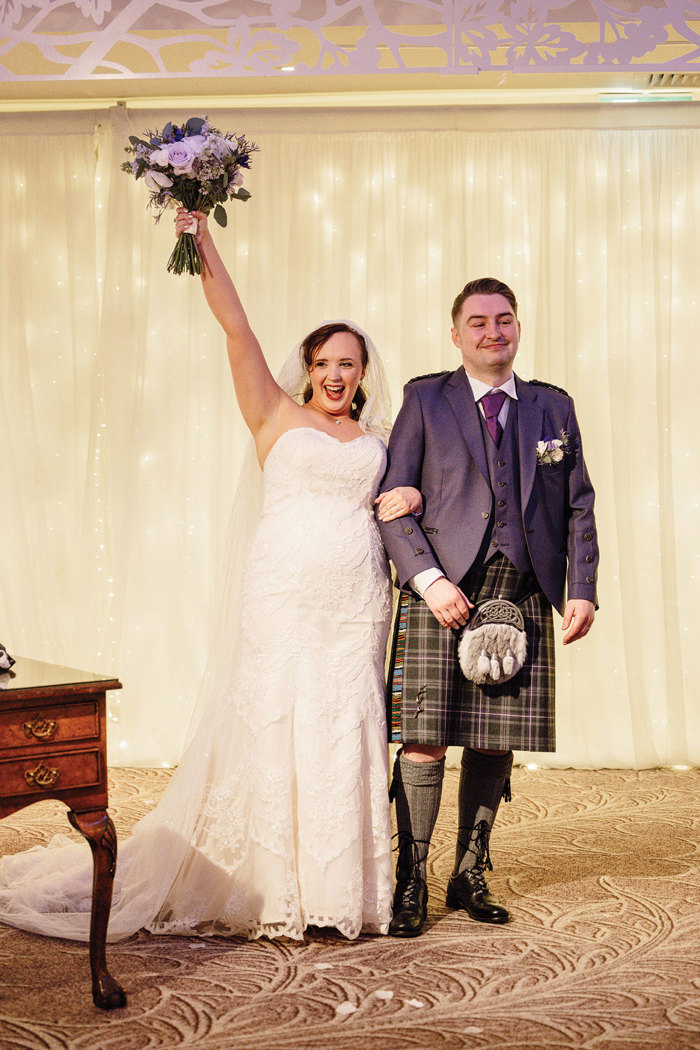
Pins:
x,y
398,502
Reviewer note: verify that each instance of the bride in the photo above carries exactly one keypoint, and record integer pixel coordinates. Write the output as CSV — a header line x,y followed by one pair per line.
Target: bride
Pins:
x,y
277,817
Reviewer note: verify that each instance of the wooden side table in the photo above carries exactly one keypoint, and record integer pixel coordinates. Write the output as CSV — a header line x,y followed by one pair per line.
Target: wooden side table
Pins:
x,y
53,731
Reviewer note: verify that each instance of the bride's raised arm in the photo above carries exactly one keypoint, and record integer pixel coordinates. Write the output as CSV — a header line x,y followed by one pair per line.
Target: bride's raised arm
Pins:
x,y
265,407
258,395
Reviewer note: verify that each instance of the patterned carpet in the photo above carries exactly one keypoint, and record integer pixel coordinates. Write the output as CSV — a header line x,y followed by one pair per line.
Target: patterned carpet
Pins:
x,y
600,870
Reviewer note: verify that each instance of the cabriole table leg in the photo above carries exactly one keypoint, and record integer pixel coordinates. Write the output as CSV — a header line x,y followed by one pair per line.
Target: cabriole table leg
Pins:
x,y
98,829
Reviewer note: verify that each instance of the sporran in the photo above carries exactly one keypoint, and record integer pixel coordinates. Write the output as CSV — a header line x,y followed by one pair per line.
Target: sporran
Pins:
x,y
493,646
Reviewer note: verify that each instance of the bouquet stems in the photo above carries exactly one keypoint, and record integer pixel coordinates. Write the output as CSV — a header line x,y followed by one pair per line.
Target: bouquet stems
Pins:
x,y
185,257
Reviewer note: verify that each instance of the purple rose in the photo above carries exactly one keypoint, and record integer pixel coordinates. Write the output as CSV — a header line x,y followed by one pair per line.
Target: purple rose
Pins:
x,y
180,155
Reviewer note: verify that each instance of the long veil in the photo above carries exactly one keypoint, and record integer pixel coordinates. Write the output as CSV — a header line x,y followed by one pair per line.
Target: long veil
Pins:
x,y
48,889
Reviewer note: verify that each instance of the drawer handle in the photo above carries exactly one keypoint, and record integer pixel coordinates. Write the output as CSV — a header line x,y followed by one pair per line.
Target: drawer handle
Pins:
x,y
41,728
42,776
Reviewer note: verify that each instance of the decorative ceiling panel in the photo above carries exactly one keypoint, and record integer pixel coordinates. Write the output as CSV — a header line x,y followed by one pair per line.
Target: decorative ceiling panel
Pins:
x,y
62,40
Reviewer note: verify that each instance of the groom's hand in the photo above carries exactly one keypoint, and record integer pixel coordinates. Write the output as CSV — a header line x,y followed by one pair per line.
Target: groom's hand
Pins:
x,y
578,618
448,604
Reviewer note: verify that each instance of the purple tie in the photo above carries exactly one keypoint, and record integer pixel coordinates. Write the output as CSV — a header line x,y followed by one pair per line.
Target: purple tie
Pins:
x,y
493,403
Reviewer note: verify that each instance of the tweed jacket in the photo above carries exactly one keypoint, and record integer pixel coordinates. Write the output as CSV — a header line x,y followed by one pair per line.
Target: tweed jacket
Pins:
x,y
437,445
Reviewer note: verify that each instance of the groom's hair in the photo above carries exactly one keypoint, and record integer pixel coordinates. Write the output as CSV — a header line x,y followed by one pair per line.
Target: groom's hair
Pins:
x,y
484,286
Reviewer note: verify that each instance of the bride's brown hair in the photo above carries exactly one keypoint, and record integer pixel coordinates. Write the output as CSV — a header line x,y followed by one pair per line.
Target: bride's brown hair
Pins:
x,y
313,343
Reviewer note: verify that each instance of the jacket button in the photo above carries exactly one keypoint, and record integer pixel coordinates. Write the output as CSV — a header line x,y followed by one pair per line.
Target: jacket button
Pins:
x,y
501,503
588,535
589,579
494,543
484,515
501,484
501,463
501,524
408,530
420,550
589,557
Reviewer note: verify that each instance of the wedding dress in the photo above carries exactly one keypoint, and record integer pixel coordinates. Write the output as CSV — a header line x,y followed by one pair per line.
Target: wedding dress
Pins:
x,y
277,817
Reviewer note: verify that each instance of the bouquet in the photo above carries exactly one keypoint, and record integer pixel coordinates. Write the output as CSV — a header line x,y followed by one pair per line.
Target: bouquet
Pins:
x,y
194,165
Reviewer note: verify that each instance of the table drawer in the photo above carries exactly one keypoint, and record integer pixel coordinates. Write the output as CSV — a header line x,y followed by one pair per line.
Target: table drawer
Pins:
x,y
60,771
55,723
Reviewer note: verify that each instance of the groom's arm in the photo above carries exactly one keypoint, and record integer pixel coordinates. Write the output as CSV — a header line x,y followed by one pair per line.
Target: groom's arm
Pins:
x,y
582,544
404,539
582,541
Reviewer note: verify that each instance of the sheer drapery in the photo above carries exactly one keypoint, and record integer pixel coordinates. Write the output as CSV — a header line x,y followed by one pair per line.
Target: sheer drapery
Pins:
x,y
121,438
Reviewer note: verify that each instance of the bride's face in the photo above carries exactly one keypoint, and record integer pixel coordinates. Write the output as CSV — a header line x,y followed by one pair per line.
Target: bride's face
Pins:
x,y
335,373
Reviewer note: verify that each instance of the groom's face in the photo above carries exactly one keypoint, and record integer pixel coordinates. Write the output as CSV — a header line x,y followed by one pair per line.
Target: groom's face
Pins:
x,y
487,333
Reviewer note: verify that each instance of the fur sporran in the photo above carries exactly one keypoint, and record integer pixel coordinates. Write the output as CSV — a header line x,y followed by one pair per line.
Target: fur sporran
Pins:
x,y
493,646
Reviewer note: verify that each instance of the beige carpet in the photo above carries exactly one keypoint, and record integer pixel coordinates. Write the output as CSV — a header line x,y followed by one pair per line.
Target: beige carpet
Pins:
x,y
600,870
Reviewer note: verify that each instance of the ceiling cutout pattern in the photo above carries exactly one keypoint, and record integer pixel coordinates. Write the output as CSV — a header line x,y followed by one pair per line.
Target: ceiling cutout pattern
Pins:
x,y
119,39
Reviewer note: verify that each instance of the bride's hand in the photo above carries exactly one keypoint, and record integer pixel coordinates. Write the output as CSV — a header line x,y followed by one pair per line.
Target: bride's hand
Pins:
x,y
398,502
183,222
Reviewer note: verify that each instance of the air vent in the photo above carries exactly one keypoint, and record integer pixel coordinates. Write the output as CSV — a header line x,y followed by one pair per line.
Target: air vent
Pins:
x,y
678,81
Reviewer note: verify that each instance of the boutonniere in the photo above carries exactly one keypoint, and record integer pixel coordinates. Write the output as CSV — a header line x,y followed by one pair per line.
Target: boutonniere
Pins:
x,y
552,450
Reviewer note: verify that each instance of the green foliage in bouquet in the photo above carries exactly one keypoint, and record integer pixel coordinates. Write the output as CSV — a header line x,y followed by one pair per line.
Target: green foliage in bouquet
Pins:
x,y
195,165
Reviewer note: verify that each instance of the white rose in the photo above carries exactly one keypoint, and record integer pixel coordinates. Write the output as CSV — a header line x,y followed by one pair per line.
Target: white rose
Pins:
x,y
237,179
541,448
182,154
157,180
557,455
160,157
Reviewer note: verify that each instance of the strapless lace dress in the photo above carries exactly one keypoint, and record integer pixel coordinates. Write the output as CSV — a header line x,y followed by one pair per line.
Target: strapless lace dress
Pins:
x,y
278,816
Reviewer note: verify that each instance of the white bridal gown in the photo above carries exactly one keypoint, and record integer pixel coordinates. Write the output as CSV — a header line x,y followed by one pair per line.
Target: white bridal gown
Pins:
x,y
278,815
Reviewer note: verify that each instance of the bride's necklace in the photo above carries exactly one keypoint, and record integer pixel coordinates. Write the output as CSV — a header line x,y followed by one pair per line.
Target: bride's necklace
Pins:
x,y
333,419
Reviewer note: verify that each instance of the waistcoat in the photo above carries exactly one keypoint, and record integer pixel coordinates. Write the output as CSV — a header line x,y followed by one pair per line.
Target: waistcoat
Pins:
x,y
505,534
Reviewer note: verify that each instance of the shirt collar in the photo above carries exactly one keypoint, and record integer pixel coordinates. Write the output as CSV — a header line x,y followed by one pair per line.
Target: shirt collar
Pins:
x,y
479,388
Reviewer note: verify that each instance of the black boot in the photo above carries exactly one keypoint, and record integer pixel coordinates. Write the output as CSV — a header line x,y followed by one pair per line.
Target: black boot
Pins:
x,y
417,787
411,893
468,889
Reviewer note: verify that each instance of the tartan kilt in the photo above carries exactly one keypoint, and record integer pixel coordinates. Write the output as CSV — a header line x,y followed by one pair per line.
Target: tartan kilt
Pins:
x,y
429,701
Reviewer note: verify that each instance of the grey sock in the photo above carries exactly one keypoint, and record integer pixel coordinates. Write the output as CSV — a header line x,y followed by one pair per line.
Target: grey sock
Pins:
x,y
483,782
417,787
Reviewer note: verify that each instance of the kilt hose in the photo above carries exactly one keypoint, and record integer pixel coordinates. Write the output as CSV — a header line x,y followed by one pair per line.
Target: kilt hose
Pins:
x,y
429,701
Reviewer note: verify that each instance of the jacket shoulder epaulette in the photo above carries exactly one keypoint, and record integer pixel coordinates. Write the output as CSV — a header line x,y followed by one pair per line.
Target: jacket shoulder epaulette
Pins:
x,y
551,386
430,375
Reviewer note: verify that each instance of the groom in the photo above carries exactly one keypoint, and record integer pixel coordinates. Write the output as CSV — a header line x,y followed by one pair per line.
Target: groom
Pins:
x,y
508,513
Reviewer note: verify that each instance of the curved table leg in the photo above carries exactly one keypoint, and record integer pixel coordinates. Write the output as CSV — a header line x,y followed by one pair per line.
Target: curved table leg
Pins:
x,y
98,829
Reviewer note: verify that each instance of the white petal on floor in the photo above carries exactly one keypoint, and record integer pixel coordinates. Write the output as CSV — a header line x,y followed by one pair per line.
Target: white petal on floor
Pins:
x,y
343,1009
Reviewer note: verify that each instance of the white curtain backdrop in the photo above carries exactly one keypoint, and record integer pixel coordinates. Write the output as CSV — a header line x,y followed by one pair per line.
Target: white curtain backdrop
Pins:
x,y
120,436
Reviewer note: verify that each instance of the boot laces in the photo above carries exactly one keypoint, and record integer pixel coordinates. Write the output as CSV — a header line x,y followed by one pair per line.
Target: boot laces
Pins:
x,y
477,840
410,857
477,880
